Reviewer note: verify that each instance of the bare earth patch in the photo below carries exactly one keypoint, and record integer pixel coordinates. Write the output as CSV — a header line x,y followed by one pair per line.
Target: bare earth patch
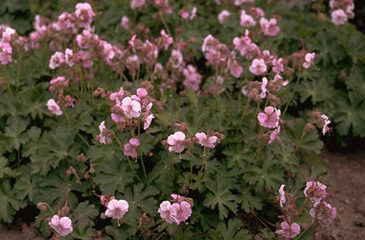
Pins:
x,y
23,232
347,189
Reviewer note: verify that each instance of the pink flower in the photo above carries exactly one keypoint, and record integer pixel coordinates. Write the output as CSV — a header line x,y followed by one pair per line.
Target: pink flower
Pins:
x,y
246,20
84,14
131,108
325,128
274,135
124,22
339,17
148,121
7,34
176,142
176,212
183,212
64,22
209,43
5,53
57,59
101,136
315,191
137,3
54,107
131,147
166,40
240,2
167,212
222,16
258,66
263,88
69,57
117,208
289,231
323,211
308,60
117,96
176,59
63,225
269,27
205,141
192,78
142,92
282,195
277,65
269,118
235,69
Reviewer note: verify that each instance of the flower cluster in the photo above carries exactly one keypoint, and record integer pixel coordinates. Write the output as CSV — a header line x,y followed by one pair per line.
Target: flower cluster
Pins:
x,y
177,212
177,142
8,36
270,118
129,111
317,194
341,11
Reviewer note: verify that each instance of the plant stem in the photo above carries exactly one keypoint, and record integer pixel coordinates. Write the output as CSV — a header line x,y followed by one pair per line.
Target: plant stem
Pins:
x,y
7,83
160,13
300,141
291,97
143,167
18,70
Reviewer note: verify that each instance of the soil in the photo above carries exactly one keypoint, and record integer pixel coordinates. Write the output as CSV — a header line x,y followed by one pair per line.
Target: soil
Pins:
x,y
347,193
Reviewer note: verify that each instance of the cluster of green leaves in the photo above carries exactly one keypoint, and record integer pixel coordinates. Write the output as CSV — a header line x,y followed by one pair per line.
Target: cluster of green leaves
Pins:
x,y
241,176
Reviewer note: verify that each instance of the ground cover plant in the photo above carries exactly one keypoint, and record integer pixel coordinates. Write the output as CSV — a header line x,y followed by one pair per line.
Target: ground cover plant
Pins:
x,y
158,120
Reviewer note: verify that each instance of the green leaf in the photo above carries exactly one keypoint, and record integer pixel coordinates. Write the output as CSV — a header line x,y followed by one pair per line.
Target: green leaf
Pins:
x,y
232,231
4,169
8,203
220,196
84,210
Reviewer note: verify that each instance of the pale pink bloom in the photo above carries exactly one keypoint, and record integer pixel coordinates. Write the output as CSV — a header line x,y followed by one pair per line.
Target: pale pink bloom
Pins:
x,y
339,17
178,198
235,69
130,148
269,27
54,107
117,118
167,212
289,231
5,53
117,96
184,14
107,49
84,57
101,136
69,57
176,212
325,128
142,92
277,65
308,60
263,88
193,13
183,211
86,38
62,226
244,91
166,40
258,66
116,208
240,2
274,135
137,3
244,44
176,58
192,78
315,191
148,121
258,11
223,16
206,141
7,34
57,59
176,142
246,20
64,22
131,108
323,211
85,14
209,42
124,22
282,195
270,118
